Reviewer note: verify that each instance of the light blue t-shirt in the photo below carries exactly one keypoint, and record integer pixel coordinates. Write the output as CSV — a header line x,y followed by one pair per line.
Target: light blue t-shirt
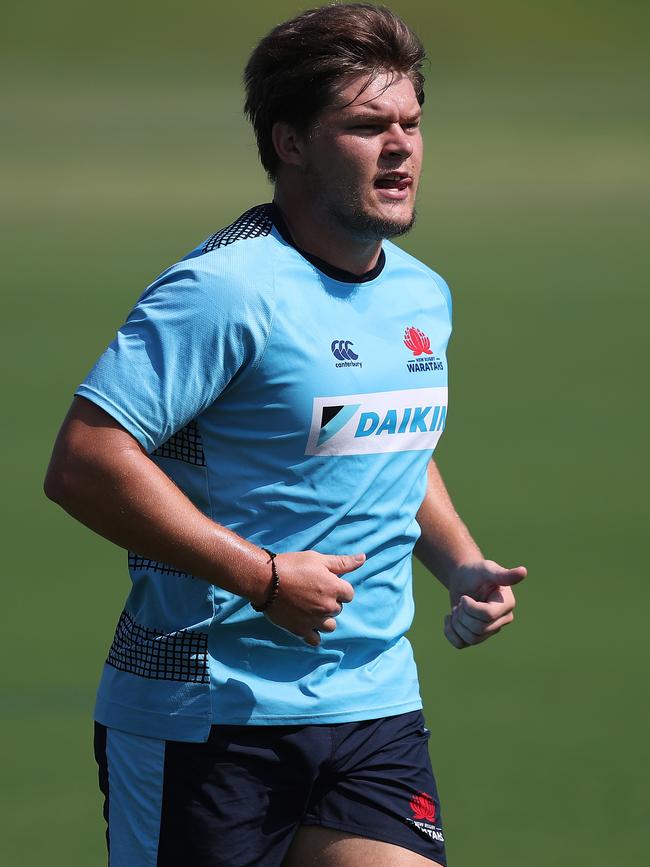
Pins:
x,y
298,406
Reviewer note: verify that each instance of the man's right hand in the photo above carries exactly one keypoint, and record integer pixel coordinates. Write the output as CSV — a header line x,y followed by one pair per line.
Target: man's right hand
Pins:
x,y
311,594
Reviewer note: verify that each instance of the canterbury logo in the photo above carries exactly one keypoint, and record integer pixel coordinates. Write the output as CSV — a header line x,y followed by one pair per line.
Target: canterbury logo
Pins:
x,y
341,350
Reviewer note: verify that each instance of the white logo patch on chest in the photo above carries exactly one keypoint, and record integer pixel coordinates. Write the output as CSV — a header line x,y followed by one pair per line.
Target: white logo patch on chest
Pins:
x,y
383,421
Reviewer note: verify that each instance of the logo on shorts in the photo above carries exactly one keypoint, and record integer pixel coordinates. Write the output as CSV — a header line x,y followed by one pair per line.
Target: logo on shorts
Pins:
x,y
420,345
423,808
344,354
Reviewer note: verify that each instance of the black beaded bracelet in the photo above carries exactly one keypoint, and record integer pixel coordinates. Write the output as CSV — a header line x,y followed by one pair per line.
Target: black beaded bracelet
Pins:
x,y
275,584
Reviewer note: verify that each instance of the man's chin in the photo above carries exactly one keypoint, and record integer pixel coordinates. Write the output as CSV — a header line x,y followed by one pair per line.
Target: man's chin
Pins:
x,y
378,225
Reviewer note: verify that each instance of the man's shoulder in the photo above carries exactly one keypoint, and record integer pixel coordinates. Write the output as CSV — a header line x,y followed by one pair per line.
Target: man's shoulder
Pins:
x,y
241,246
256,222
227,275
229,261
409,261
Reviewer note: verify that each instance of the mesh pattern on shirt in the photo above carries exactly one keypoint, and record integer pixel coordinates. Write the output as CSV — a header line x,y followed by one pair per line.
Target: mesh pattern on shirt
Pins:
x,y
145,565
185,445
255,223
157,655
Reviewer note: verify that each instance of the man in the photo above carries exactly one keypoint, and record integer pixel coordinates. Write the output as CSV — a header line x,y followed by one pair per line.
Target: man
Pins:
x,y
259,437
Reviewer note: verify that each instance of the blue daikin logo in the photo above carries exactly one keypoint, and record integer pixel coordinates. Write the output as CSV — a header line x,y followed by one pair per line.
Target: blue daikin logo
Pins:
x,y
408,420
389,421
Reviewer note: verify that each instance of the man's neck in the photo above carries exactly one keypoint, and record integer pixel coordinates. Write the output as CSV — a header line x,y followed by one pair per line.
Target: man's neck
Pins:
x,y
321,238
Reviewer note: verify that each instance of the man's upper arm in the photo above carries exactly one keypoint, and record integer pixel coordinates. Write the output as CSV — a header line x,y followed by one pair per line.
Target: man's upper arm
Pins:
x,y
89,439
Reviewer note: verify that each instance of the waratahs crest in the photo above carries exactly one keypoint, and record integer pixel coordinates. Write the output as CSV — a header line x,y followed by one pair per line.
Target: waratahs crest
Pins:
x,y
423,807
417,341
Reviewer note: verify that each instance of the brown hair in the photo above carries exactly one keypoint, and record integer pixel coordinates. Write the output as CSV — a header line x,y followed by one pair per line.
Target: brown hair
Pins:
x,y
293,72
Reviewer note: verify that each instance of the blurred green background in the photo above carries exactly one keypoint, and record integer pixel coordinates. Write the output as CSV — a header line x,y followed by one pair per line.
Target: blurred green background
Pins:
x,y
123,145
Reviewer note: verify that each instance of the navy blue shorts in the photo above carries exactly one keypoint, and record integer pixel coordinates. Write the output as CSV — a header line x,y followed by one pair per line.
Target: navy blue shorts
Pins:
x,y
238,799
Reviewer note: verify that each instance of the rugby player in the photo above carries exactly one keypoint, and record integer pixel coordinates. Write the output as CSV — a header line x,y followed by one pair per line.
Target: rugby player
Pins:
x,y
258,436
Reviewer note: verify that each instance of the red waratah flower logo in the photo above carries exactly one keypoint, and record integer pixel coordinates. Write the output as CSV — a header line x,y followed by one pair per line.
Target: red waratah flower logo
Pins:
x,y
417,341
423,807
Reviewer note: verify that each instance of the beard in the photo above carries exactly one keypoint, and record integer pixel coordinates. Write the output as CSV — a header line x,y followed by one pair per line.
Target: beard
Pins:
x,y
370,227
343,209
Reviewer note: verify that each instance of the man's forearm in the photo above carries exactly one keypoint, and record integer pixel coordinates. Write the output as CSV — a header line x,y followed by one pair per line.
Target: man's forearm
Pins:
x,y
445,542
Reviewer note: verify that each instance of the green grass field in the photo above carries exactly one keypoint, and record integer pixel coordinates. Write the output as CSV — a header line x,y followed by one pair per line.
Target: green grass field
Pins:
x,y
122,146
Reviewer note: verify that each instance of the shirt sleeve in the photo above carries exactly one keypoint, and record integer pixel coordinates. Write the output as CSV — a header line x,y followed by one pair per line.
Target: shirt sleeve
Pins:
x,y
191,333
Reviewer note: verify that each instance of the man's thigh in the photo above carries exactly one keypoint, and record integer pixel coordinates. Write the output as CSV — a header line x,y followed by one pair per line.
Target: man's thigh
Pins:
x,y
321,847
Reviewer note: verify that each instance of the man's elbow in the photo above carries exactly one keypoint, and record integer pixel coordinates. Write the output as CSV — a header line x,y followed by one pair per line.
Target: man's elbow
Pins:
x,y
59,482
69,474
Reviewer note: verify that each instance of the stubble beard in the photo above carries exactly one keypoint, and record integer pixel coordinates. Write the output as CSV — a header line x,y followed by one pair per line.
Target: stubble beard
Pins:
x,y
363,226
344,210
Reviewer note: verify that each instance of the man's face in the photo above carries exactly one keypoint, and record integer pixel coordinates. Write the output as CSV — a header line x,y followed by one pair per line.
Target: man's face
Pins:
x,y
363,158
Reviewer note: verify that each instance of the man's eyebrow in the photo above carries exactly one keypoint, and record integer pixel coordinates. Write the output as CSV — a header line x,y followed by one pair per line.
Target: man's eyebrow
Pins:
x,y
379,115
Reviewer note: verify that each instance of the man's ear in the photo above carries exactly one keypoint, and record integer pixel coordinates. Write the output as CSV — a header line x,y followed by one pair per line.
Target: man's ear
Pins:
x,y
288,143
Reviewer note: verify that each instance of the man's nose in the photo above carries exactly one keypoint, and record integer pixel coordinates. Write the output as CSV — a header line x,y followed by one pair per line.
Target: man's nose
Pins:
x,y
398,142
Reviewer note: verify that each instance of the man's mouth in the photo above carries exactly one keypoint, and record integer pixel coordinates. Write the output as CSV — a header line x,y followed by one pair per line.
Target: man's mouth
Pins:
x,y
393,186
395,181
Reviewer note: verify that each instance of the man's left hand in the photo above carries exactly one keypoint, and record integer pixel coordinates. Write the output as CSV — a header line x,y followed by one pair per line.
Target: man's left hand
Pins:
x,y
482,601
